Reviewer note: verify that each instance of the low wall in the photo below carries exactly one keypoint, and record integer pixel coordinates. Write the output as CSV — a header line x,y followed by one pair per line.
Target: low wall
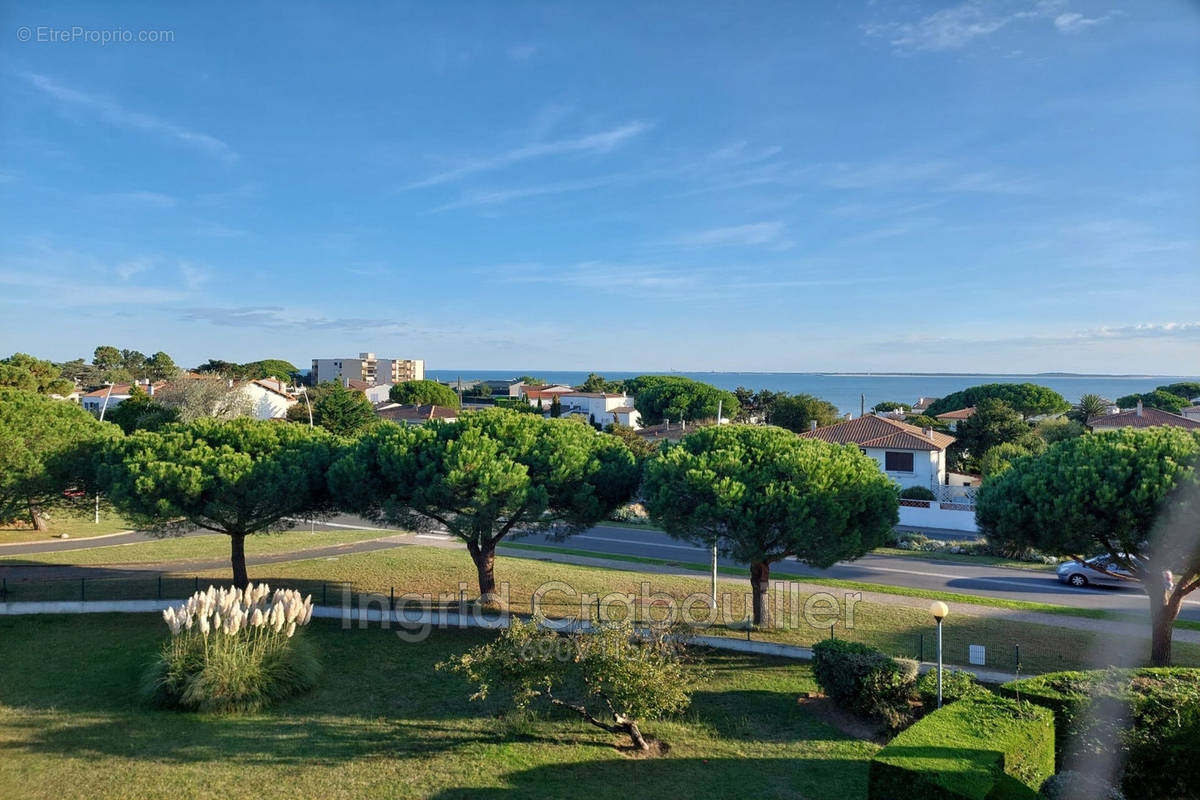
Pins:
x,y
932,514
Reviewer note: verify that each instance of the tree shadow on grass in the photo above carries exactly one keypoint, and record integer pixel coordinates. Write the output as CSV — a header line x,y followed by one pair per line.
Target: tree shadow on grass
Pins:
x,y
759,716
666,777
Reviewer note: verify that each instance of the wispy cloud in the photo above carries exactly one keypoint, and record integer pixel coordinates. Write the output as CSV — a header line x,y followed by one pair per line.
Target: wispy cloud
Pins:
x,y
960,26
141,198
71,291
756,233
521,52
1072,22
277,318
495,197
116,114
592,144
936,175
1160,331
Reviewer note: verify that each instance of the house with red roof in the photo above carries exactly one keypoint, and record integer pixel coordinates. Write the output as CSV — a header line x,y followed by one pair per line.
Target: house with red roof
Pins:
x,y
1142,417
909,455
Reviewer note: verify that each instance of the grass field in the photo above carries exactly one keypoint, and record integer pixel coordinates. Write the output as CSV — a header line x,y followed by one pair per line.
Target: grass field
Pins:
x,y
209,546
75,526
383,723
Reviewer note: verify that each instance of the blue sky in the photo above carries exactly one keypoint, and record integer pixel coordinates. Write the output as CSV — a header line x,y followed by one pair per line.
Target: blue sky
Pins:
x,y
997,185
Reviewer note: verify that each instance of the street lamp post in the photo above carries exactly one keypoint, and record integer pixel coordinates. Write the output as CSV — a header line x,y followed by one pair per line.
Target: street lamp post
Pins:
x,y
103,408
939,611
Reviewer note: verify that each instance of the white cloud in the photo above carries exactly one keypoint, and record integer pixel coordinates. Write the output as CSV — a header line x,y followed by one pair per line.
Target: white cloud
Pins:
x,y
521,52
115,114
960,26
142,198
1072,22
757,233
495,197
593,143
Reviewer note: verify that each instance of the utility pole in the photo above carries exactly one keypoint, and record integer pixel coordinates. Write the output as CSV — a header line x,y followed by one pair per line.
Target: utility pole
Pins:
x,y
304,391
862,405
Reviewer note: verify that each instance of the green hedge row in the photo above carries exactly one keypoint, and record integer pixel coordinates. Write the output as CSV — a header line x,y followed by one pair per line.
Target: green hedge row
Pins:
x,y
983,747
1151,715
863,680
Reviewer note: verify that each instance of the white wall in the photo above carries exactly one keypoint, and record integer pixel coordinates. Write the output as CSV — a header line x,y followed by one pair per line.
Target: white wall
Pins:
x,y
937,517
927,467
265,404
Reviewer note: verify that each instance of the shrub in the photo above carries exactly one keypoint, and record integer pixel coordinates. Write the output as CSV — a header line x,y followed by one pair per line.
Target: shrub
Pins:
x,y
1071,785
864,680
983,746
610,677
233,650
917,493
1151,717
956,684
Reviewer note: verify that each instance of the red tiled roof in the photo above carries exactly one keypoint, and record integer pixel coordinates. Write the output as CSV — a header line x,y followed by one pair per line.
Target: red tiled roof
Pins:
x,y
962,413
1147,418
875,431
120,389
414,413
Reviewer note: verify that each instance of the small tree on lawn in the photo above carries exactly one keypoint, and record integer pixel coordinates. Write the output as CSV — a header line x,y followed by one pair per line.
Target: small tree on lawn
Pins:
x,y
1131,493
485,476
236,477
46,449
764,494
611,678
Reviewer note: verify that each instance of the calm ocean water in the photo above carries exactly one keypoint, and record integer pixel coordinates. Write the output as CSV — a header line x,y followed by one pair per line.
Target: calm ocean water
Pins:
x,y
845,391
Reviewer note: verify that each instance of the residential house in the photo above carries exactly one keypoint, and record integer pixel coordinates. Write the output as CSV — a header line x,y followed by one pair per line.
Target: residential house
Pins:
x,y
106,398
367,369
1191,412
952,418
626,415
923,403
1142,417
269,398
597,407
412,414
909,455
379,393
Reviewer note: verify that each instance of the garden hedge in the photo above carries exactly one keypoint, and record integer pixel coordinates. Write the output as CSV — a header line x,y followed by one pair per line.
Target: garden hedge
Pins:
x,y
1159,751
983,747
864,680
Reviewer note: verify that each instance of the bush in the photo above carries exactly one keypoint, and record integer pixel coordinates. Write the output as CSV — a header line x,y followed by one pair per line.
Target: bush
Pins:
x,y
917,493
956,684
1070,785
1151,717
864,680
233,650
983,746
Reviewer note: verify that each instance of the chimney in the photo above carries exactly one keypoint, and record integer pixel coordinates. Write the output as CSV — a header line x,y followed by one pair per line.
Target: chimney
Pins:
x,y
928,433
1139,408
848,416
150,388
812,425
346,381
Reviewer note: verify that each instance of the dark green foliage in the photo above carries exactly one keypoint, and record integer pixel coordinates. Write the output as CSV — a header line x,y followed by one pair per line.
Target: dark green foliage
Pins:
x,y
863,680
956,684
1089,405
140,412
924,421
917,493
762,494
424,393
1128,491
555,407
797,412
1186,389
1160,399
486,475
1150,718
22,371
1028,399
236,477
106,357
598,383
993,423
341,411
660,397
889,405
530,380
982,747
641,447
46,449
269,368
159,367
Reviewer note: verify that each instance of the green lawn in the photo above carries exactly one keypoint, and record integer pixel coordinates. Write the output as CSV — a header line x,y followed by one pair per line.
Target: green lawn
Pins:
x,y
209,546
963,558
384,724
75,526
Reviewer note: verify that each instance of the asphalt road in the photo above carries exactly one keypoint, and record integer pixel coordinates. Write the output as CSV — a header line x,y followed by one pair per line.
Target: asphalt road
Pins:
x,y
902,571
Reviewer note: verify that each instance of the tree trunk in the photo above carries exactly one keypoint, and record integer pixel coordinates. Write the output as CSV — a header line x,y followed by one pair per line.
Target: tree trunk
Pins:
x,y
35,516
1164,608
760,580
485,565
237,556
635,733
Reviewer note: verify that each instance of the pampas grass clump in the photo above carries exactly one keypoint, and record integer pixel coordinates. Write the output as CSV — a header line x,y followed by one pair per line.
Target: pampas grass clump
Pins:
x,y
233,650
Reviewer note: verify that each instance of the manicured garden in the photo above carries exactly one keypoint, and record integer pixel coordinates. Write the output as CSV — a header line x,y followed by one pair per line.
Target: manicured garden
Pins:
x,y
384,723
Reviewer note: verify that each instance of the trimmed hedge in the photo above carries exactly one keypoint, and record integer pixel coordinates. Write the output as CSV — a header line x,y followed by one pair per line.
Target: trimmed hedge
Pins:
x,y
956,684
1151,714
865,680
983,747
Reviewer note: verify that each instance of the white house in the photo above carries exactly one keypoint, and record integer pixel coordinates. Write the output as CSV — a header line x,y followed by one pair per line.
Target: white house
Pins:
x,y
269,398
952,418
106,398
909,455
379,393
1191,412
598,407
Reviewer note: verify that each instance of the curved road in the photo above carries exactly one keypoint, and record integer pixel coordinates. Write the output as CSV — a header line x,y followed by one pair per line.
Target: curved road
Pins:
x,y
900,571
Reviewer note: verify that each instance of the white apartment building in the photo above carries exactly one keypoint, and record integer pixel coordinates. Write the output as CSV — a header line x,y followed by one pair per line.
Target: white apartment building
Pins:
x,y
368,369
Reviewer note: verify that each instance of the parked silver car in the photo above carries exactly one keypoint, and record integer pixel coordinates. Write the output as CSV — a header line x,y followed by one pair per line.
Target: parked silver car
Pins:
x,y
1100,570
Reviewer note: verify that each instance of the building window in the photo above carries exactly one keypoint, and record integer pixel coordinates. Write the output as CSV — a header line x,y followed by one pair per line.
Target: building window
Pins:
x,y
897,462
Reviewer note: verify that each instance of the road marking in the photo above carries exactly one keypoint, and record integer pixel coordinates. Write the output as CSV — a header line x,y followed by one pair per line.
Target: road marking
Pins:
x,y
347,527
643,544
439,536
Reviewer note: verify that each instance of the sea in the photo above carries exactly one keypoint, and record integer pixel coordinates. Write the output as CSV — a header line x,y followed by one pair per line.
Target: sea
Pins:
x,y
854,392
